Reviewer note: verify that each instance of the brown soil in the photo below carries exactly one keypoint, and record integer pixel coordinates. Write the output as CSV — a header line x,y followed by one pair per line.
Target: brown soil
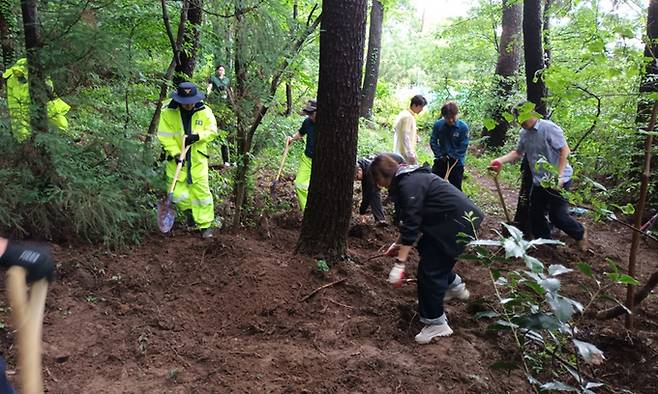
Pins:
x,y
182,315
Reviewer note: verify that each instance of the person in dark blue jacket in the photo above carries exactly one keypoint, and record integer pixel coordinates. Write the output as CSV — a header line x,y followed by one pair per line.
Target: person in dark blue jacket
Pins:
x,y
449,143
430,210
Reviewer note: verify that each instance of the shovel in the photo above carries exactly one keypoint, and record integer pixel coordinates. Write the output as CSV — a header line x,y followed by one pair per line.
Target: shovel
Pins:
x,y
27,316
275,182
166,211
500,196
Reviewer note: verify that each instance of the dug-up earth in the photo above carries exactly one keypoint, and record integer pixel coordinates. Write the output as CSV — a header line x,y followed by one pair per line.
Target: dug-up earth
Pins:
x,y
233,315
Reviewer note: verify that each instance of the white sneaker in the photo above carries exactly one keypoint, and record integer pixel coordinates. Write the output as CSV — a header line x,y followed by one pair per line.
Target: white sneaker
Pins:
x,y
459,292
431,331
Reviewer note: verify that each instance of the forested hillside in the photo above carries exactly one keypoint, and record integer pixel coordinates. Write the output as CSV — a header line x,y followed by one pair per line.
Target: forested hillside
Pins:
x,y
204,173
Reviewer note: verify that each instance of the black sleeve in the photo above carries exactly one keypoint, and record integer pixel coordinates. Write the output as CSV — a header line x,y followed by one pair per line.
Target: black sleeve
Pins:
x,y
303,130
412,197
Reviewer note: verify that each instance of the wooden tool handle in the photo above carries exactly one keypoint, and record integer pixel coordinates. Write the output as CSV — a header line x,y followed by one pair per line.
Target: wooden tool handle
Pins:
x,y
179,167
447,175
28,321
502,199
283,160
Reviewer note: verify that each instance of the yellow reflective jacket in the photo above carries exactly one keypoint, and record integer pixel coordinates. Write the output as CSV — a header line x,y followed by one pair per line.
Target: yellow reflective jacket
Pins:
x,y
171,135
18,102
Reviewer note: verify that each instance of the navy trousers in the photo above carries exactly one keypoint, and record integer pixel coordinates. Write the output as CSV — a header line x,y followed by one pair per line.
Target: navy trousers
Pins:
x,y
434,276
551,200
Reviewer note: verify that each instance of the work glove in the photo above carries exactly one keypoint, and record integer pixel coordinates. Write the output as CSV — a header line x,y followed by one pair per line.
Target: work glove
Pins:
x,y
191,138
495,165
35,258
392,250
396,276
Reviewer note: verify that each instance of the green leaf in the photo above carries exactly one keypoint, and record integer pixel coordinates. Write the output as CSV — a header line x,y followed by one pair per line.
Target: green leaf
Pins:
x,y
538,321
590,353
508,116
489,124
558,269
558,386
486,315
623,279
536,288
533,264
585,269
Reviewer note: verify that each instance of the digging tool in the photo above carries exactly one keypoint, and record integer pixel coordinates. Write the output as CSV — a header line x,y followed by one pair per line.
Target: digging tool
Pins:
x,y
275,182
166,211
27,315
447,175
500,196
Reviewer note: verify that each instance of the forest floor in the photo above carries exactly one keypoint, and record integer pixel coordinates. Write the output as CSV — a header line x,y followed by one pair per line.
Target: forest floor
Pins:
x,y
182,315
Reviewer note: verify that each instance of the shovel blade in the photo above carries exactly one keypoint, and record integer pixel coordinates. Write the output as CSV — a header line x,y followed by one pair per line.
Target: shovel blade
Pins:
x,y
166,214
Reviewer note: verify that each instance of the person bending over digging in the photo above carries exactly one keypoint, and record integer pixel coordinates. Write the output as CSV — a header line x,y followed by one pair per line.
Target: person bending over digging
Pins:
x,y
429,207
186,119
370,196
543,139
38,262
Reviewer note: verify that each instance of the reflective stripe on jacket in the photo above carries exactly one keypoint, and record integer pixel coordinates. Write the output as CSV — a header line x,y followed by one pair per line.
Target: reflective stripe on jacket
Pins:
x,y
171,134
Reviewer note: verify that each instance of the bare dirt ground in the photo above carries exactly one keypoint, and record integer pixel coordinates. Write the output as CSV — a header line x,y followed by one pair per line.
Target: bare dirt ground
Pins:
x,y
182,315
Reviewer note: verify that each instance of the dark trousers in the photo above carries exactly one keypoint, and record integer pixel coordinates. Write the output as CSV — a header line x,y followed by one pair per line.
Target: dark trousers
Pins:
x,y
372,199
551,200
456,176
434,277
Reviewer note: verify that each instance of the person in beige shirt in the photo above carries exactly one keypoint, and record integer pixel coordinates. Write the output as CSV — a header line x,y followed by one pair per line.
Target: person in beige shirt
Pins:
x,y
406,136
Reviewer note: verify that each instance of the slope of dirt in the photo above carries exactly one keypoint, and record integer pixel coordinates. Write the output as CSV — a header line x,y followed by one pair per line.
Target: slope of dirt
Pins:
x,y
183,315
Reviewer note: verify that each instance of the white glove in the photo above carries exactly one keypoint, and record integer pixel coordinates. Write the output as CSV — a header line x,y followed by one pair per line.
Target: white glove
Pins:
x,y
396,275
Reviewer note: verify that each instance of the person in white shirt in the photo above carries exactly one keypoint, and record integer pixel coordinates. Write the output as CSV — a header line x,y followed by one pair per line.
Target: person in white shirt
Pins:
x,y
406,136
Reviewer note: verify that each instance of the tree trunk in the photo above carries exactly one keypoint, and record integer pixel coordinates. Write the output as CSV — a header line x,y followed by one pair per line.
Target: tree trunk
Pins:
x,y
7,36
648,84
646,112
534,65
175,49
327,215
507,67
37,76
288,112
188,52
240,184
547,32
534,53
372,59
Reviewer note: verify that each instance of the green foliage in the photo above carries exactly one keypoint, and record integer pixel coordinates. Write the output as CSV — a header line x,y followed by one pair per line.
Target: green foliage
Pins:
x,y
543,321
321,266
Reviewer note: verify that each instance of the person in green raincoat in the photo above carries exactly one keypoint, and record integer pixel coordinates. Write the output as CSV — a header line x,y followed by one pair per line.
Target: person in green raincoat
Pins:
x,y
18,102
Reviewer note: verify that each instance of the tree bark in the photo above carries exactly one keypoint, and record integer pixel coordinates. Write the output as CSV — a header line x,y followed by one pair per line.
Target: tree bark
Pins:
x,y
185,69
288,112
648,84
7,36
372,59
37,75
327,215
547,33
534,53
536,93
507,67
175,49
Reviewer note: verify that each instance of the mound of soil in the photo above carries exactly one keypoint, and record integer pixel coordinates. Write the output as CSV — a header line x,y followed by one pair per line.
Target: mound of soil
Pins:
x,y
183,315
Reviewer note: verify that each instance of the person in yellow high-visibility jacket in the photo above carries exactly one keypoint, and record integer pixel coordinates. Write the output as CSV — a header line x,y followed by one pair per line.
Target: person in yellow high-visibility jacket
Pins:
x,y
303,178
18,102
187,119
